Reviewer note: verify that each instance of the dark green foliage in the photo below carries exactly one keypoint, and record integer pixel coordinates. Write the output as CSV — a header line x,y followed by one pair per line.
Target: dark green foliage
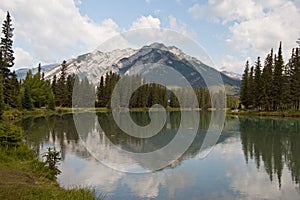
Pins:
x,y
244,86
276,87
51,102
267,78
52,159
100,93
13,90
278,80
10,135
9,80
258,85
61,90
37,91
2,104
26,100
4,70
7,42
295,78
251,87
105,89
70,84
148,94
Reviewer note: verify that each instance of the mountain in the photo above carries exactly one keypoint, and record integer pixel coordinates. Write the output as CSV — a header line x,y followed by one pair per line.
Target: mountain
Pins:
x,y
232,75
128,61
21,73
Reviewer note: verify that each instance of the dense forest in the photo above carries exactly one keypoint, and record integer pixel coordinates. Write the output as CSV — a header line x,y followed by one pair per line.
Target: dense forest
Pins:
x,y
272,85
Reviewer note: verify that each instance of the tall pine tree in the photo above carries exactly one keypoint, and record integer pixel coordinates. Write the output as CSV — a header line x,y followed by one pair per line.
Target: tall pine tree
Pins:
x,y
245,87
295,78
251,88
7,42
7,59
278,79
258,85
61,89
267,77
2,104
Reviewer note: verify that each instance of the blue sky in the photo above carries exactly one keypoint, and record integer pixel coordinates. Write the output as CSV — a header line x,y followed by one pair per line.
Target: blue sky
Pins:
x,y
230,31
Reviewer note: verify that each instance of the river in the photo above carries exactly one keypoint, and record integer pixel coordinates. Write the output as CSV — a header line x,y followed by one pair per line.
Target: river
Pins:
x,y
254,158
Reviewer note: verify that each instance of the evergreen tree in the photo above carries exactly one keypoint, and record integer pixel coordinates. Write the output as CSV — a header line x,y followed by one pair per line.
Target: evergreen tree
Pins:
x,y
295,78
26,100
7,42
70,85
61,89
258,85
51,102
4,70
38,90
13,90
267,77
278,79
100,93
2,104
54,89
286,88
245,86
251,93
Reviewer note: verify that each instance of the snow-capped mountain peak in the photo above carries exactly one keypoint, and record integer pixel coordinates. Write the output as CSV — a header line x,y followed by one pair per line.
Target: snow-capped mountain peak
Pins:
x,y
127,61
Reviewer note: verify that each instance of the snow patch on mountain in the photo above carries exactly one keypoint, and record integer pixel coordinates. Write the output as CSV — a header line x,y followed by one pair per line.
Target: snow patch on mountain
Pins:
x,y
93,65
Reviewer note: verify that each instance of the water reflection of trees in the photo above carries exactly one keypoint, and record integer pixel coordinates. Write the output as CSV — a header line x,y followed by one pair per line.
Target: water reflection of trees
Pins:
x,y
133,144
274,143
60,130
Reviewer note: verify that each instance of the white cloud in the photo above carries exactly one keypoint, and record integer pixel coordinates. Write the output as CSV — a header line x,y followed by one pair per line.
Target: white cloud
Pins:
x,y
254,26
226,10
55,29
231,63
23,58
145,22
258,35
180,27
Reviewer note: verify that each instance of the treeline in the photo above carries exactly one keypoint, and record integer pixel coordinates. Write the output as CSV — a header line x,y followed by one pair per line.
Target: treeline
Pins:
x,y
148,94
272,85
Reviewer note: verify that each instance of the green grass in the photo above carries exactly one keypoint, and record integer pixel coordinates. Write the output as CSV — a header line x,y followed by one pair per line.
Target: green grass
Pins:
x,y
23,176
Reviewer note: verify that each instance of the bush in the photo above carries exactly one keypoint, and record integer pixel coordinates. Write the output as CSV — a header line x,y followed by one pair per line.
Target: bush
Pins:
x,y
52,160
10,135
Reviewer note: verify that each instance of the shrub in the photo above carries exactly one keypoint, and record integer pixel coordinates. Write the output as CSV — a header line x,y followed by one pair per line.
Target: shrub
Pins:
x,y
10,135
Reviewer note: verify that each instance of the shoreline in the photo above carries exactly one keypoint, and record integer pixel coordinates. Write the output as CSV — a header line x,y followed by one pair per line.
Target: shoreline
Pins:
x,y
279,114
17,115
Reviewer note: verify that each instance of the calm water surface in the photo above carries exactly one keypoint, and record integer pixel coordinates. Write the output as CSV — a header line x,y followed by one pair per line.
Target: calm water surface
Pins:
x,y
255,158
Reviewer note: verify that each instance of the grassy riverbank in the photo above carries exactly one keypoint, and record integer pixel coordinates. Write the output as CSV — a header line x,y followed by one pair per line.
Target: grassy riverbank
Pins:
x,y
22,175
